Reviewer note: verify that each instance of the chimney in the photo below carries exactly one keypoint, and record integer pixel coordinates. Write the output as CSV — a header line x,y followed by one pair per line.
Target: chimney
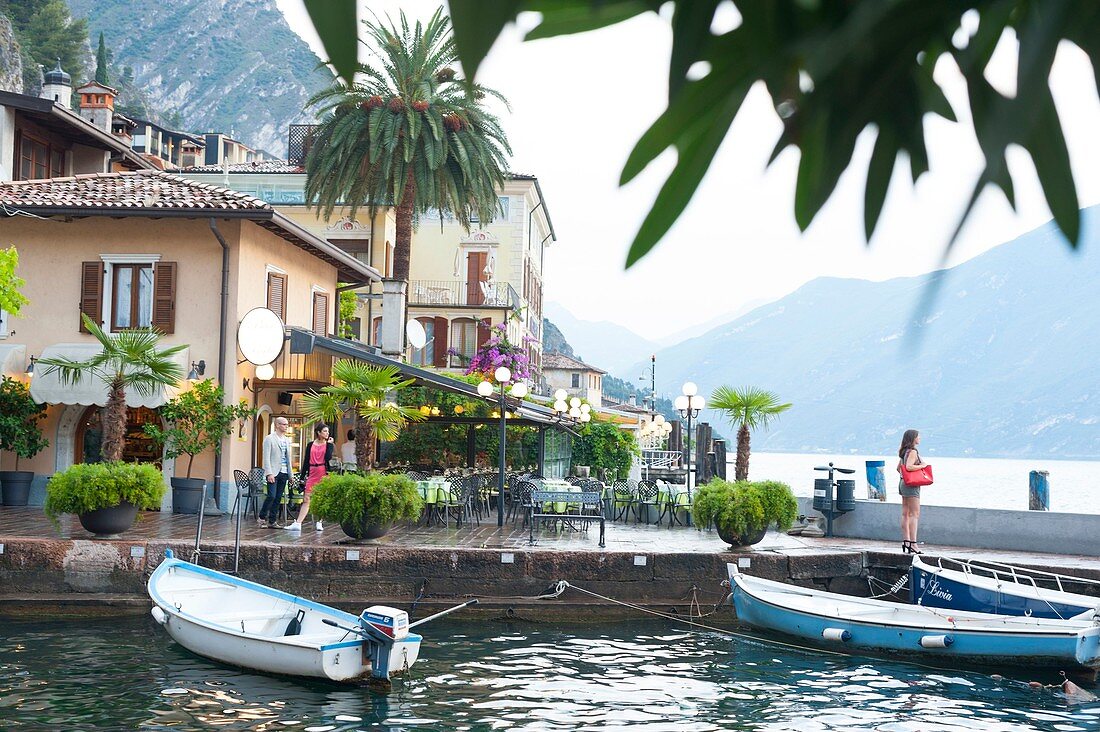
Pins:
x,y
633,401
97,104
57,86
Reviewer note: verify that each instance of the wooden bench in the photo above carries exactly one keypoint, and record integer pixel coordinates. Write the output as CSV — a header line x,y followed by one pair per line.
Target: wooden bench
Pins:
x,y
540,498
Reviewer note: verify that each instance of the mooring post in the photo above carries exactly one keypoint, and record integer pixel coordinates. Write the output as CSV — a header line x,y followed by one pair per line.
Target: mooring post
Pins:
x,y
1038,490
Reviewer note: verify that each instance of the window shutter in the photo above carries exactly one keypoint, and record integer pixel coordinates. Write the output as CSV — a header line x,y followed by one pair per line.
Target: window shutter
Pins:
x,y
91,292
320,313
439,353
276,294
484,331
164,297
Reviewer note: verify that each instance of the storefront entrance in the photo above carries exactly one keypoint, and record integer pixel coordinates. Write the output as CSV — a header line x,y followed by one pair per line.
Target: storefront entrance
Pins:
x,y
139,447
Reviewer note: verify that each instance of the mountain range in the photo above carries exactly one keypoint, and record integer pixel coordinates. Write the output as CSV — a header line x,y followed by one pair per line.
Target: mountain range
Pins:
x,y
231,66
995,357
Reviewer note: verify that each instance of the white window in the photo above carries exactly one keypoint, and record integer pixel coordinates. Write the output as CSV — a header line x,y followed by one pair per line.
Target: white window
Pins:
x,y
128,290
3,323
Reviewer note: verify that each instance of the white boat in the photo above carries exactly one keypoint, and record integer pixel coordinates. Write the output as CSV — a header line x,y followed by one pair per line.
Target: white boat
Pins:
x,y
246,624
1003,589
858,624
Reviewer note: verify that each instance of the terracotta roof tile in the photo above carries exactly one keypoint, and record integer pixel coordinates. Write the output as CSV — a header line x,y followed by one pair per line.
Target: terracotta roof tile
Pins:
x,y
262,166
133,190
561,361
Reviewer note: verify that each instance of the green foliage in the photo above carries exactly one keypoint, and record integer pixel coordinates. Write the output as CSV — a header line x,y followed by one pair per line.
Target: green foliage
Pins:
x,y
349,303
198,420
833,71
604,445
91,486
353,498
742,508
101,73
47,32
747,405
11,299
19,416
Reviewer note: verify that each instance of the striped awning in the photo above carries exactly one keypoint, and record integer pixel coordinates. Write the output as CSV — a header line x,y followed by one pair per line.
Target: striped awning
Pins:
x,y
49,389
13,359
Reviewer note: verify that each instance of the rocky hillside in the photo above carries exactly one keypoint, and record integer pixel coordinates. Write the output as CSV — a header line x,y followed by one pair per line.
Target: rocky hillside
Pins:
x,y
228,65
11,64
553,341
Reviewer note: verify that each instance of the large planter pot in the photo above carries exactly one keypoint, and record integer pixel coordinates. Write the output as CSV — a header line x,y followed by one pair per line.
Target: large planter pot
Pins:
x,y
186,494
753,536
108,521
15,486
365,530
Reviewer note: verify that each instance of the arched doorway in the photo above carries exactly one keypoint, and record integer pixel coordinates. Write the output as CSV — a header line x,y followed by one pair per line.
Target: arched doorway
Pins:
x,y
87,447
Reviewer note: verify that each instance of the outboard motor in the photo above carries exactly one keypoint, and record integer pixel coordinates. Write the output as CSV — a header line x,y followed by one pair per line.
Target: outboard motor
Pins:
x,y
382,626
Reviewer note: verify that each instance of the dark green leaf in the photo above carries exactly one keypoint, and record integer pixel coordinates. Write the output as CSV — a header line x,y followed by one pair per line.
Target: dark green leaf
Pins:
x,y
477,24
562,17
879,171
336,24
690,32
1048,150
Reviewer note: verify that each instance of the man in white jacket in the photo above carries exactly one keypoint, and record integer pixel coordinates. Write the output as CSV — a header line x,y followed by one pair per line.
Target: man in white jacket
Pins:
x,y
276,471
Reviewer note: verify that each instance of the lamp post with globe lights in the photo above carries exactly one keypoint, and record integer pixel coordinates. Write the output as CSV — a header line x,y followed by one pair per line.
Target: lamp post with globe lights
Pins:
x,y
689,404
650,433
503,377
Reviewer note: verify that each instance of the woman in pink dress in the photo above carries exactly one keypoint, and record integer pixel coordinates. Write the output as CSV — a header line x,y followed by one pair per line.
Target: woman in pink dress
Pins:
x,y
314,467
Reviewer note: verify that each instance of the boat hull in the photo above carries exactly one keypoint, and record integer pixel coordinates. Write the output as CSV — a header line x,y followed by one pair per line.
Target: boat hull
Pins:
x,y
1076,646
241,623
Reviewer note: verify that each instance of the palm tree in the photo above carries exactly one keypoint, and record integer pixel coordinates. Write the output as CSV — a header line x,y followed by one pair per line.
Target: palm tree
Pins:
x,y
407,133
750,407
129,360
361,390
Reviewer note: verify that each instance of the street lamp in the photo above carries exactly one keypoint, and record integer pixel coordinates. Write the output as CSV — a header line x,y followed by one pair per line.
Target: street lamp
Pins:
x,y
688,404
503,377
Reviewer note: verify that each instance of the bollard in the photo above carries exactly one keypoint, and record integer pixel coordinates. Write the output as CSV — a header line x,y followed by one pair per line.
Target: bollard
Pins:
x,y
876,479
1038,490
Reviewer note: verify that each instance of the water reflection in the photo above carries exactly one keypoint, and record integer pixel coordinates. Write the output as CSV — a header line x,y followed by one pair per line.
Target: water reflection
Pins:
x,y
129,675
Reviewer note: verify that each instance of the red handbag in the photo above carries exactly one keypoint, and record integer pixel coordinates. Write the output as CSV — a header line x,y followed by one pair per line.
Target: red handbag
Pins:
x,y
914,478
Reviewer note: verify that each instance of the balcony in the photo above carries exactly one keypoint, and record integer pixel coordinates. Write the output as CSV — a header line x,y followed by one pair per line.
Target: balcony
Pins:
x,y
458,292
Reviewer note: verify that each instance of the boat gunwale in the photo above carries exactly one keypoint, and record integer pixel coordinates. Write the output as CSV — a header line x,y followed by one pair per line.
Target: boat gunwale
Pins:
x,y
1007,586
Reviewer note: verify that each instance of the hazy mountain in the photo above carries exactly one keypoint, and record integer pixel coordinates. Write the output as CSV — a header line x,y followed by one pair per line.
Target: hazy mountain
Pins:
x,y
606,345
718,320
553,341
1002,361
231,66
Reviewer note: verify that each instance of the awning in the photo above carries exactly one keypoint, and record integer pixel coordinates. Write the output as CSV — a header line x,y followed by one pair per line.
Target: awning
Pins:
x,y
13,359
48,389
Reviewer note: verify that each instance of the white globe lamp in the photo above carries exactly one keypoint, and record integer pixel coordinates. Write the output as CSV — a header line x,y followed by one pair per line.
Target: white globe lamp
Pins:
x,y
485,389
503,375
265,372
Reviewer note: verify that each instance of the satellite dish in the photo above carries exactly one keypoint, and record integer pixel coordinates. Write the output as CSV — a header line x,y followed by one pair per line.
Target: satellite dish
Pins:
x,y
260,336
415,331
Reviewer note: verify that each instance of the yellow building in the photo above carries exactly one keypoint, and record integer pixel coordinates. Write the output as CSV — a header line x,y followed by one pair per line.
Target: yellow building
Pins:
x,y
147,248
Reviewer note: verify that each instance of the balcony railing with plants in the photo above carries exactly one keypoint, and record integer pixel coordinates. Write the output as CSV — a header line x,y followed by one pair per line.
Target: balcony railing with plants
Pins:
x,y
458,292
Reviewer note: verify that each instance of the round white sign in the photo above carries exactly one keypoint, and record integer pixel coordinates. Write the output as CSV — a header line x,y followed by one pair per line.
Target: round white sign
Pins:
x,y
260,336
414,329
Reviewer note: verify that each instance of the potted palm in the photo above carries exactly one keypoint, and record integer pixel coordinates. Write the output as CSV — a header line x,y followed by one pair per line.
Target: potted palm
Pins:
x,y
21,435
105,496
366,506
749,408
742,511
198,420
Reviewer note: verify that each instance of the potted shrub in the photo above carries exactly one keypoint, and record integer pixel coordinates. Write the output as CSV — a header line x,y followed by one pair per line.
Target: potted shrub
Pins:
x,y
743,511
19,434
198,420
105,496
366,505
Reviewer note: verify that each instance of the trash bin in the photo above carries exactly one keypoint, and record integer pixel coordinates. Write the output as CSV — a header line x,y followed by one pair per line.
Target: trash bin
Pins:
x,y
845,495
823,494
876,480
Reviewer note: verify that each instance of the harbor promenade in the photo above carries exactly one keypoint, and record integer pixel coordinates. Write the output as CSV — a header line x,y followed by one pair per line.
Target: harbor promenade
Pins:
x,y
53,571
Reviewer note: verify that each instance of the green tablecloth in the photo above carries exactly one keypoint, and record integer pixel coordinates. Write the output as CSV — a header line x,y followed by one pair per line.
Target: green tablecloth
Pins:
x,y
556,484
435,490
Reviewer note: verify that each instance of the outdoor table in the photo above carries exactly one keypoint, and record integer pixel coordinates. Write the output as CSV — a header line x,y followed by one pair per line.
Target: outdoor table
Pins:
x,y
557,484
433,491
676,494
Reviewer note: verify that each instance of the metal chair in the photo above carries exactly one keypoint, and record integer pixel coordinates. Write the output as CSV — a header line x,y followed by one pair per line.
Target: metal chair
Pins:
x,y
246,489
456,501
521,500
622,500
647,495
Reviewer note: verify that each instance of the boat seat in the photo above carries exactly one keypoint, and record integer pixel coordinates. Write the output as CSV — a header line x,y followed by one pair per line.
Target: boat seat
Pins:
x,y
222,618
196,588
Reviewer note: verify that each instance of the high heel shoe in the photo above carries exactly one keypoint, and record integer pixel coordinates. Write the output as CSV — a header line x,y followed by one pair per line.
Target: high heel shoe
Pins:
x,y
913,548
905,548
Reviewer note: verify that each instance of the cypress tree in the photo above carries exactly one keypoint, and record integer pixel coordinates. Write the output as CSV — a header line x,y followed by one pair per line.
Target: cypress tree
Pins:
x,y
101,63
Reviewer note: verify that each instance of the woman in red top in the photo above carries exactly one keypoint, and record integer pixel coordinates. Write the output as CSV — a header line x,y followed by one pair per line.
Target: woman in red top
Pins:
x,y
314,467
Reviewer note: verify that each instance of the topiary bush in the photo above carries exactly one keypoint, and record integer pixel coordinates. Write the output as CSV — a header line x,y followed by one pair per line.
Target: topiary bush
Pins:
x,y
745,507
355,498
87,487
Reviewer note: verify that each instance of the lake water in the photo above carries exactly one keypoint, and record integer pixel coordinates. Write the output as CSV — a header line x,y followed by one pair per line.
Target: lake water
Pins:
x,y
128,675
970,482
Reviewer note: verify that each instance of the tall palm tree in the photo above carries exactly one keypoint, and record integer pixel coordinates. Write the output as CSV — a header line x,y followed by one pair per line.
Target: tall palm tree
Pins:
x,y
361,390
130,359
407,133
752,409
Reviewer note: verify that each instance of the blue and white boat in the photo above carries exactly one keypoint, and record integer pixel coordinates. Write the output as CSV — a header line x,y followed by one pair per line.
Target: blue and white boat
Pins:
x,y
246,624
992,587
859,625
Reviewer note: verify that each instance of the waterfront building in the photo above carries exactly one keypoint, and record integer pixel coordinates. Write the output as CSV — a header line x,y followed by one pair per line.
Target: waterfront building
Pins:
x,y
575,376
147,248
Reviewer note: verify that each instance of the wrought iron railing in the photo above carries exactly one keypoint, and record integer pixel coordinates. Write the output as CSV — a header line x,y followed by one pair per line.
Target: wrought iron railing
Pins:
x,y
458,292
661,459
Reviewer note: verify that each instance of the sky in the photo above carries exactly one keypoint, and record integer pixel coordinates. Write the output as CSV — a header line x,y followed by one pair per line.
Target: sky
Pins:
x,y
579,103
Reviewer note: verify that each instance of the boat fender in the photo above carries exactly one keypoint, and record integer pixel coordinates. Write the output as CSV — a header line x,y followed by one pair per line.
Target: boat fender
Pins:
x,y
836,634
936,641
159,615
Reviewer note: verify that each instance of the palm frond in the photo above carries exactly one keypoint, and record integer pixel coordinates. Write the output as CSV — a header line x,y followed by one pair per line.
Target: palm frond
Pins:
x,y
749,406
